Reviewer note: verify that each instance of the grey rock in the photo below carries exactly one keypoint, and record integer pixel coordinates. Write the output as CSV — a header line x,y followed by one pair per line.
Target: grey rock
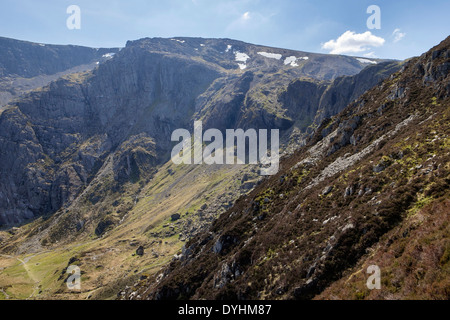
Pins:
x,y
140,251
217,248
348,227
348,191
327,190
379,168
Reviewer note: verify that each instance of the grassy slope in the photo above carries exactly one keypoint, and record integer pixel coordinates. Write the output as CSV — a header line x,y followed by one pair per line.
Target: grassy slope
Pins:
x,y
108,263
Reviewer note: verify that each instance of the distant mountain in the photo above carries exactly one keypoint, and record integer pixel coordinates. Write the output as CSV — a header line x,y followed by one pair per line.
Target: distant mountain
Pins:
x,y
371,187
84,161
26,65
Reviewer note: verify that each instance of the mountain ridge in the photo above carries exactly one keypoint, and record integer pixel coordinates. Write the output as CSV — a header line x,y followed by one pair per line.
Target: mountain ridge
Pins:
x,y
87,180
25,66
100,102
375,171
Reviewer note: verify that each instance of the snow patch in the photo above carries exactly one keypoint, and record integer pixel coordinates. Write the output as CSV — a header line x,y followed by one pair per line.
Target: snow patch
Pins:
x,y
242,66
366,61
228,48
270,55
180,41
108,55
202,45
292,60
241,57
42,45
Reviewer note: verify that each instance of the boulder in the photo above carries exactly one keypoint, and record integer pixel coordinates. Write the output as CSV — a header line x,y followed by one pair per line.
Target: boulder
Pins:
x,y
140,251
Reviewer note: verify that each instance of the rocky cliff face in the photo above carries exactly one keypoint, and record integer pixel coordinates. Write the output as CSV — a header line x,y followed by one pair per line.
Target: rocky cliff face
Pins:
x,y
308,104
55,140
25,66
371,187
28,59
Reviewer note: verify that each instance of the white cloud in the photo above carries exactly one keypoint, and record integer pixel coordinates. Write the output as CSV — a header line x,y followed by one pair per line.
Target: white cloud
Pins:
x,y
247,21
398,35
351,42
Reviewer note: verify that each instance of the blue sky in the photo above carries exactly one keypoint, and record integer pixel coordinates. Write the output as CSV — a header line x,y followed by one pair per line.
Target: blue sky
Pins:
x,y
408,28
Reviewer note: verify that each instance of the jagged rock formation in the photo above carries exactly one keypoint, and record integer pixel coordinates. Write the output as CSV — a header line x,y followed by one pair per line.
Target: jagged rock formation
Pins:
x,y
370,187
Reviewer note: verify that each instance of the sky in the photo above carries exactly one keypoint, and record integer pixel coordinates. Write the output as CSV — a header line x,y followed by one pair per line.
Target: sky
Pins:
x,y
402,29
